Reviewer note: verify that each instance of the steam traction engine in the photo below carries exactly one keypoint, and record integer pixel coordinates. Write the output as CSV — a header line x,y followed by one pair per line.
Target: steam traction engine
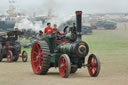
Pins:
x,y
67,53
10,48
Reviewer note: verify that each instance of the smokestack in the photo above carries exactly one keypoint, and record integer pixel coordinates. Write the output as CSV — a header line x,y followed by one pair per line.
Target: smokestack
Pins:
x,y
78,23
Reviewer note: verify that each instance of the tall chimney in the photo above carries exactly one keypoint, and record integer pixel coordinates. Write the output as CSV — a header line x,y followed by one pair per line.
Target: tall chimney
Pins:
x,y
78,23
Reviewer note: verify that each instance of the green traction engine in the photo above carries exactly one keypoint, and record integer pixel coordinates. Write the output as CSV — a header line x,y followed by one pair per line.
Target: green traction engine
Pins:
x,y
66,51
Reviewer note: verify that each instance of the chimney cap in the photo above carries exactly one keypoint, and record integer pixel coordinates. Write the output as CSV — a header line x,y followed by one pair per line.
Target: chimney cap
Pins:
x,y
78,12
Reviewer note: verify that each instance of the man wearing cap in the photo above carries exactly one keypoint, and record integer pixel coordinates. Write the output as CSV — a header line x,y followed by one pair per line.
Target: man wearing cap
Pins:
x,y
40,36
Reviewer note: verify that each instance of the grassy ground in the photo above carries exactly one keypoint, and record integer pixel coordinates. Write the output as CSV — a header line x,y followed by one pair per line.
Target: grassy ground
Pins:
x,y
110,45
112,48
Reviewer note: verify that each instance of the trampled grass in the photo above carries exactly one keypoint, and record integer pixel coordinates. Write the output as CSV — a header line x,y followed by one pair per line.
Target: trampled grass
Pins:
x,y
106,40
112,48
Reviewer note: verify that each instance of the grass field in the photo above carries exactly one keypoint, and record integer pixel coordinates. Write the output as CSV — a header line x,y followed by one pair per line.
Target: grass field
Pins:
x,y
112,48
110,45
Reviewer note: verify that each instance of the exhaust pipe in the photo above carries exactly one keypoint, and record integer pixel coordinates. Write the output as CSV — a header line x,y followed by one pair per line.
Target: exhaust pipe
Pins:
x,y
78,23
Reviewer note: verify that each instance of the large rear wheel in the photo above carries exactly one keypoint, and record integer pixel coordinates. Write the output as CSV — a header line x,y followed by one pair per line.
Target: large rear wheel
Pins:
x,y
64,65
93,65
39,57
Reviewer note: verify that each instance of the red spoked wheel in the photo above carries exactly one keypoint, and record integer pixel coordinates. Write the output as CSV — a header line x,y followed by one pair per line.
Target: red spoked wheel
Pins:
x,y
39,57
24,56
9,56
64,65
93,65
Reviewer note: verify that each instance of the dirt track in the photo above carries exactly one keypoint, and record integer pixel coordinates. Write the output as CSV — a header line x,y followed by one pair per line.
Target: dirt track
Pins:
x,y
114,71
21,74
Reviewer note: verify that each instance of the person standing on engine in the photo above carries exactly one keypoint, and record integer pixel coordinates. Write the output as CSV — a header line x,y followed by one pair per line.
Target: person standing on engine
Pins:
x,y
48,29
55,28
16,31
56,31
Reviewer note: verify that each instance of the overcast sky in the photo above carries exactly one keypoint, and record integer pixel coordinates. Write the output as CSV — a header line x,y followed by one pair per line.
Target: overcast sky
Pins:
x,y
68,6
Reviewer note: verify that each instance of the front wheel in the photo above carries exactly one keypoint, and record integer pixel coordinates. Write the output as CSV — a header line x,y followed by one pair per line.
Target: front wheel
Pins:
x,y
64,65
93,65
24,56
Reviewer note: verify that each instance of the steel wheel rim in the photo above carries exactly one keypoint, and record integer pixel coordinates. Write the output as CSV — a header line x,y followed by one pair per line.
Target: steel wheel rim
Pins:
x,y
62,66
92,65
36,58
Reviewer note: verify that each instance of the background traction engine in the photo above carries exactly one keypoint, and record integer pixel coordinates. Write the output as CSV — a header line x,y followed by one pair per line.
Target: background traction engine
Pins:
x,y
10,48
68,54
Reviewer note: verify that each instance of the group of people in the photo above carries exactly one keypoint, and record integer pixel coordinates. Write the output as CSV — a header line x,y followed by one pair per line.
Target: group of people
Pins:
x,y
47,30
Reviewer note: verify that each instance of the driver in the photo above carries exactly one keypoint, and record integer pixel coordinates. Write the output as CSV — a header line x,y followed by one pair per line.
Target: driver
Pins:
x,y
16,29
55,30
48,29
40,36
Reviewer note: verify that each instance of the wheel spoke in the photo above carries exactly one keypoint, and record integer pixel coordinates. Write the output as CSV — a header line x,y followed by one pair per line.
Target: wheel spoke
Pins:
x,y
63,60
35,61
93,64
41,58
93,60
24,56
38,68
40,61
34,52
94,70
65,66
8,57
40,54
38,48
90,68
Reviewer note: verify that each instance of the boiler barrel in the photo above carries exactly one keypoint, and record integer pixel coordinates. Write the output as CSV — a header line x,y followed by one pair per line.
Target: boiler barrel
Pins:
x,y
77,48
